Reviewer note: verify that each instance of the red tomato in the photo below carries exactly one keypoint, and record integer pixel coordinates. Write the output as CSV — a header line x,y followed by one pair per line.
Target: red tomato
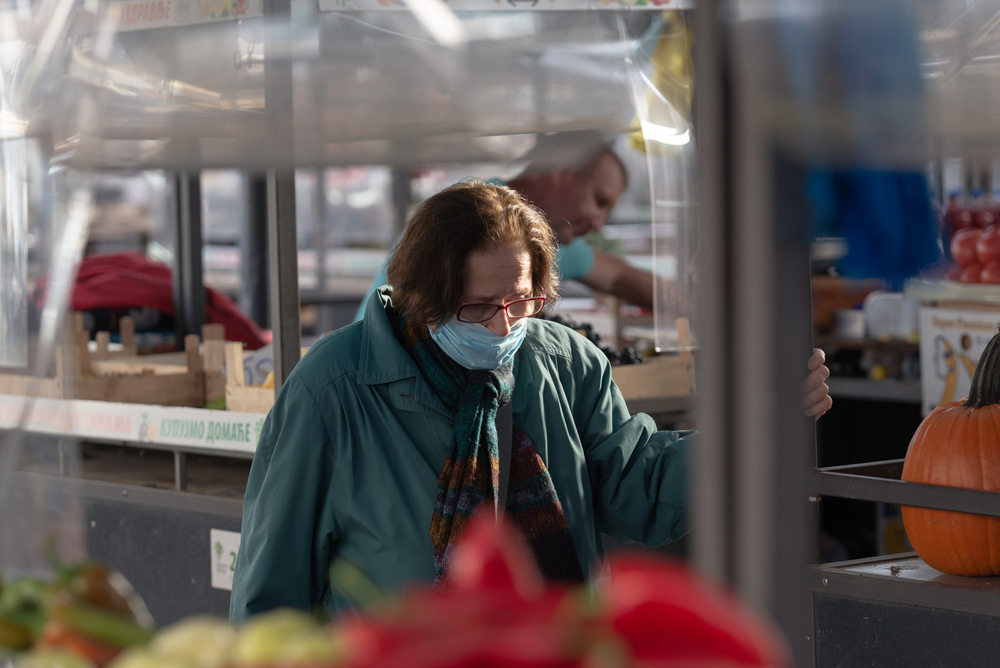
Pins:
x,y
988,245
958,218
983,218
970,274
990,273
963,246
954,274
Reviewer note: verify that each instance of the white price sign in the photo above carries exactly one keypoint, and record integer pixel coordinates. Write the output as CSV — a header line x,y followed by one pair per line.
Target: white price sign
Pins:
x,y
225,546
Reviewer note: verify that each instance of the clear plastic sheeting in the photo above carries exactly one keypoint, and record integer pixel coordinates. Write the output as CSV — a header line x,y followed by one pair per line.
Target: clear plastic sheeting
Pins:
x,y
44,216
834,81
48,519
909,70
366,88
91,87
961,70
662,76
13,253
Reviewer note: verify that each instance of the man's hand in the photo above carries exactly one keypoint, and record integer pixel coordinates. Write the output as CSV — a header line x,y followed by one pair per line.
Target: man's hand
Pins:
x,y
817,400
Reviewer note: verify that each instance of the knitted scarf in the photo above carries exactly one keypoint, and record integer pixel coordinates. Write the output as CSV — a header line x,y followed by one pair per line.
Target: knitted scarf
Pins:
x,y
471,474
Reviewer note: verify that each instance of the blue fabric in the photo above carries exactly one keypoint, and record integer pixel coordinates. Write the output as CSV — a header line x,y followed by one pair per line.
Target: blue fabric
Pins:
x,y
574,260
885,217
474,346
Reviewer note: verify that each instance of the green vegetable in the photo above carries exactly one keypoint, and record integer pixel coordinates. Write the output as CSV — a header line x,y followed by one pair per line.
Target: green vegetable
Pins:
x,y
25,602
15,636
104,626
284,637
51,658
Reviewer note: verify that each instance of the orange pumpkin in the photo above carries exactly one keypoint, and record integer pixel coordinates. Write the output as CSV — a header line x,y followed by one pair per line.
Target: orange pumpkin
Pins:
x,y
958,445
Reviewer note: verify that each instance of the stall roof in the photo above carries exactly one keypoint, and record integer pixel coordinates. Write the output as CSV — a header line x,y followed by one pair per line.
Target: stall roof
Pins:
x,y
182,84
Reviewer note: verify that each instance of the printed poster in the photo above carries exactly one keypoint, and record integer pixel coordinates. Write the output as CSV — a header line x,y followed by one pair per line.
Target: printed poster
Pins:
x,y
951,342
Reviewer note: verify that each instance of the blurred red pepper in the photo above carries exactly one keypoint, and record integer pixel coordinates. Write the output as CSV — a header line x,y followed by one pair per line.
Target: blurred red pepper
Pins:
x,y
497,611
58,635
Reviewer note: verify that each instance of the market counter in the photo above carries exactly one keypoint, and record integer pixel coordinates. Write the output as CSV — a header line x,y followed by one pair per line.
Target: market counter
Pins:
x,y
897,612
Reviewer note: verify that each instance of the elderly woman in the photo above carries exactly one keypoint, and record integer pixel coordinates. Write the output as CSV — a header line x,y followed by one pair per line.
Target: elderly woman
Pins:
x,y
382,442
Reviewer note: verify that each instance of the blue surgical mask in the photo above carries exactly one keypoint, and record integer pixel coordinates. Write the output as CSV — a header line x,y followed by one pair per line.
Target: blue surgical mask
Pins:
x,y
475,347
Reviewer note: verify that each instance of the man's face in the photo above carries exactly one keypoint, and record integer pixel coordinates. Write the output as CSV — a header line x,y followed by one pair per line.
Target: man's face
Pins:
x,y
580,202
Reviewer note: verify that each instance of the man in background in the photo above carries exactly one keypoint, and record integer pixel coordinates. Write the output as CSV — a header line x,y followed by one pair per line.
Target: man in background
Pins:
x,y
576,179
577,201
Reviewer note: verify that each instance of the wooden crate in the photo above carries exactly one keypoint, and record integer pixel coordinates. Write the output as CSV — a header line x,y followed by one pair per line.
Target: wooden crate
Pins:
x,y
239,395
186,379
659,377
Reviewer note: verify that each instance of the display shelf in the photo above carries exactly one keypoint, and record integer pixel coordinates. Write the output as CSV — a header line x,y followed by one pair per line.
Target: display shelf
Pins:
x,y
827,341
889,577
904,391
880,481
952,291
898,611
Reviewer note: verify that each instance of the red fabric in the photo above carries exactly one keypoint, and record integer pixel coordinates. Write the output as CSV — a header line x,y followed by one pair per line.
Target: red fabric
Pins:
x,y
119,281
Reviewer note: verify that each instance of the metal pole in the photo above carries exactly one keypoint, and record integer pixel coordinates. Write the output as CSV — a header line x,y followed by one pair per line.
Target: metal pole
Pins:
x,y
770,336
180,470
284,272
188,275
711,549
319,224
254,253
281,222
402,193
749,484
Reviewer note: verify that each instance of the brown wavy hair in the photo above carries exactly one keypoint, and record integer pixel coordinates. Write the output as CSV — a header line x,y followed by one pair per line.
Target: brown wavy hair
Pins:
x,y
427,268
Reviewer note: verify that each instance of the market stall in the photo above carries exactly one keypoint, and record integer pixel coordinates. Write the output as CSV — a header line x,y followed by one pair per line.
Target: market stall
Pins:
x,y
148,86
783,94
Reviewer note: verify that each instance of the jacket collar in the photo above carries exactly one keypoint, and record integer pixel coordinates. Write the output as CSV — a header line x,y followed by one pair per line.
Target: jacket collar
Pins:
x,y
382,359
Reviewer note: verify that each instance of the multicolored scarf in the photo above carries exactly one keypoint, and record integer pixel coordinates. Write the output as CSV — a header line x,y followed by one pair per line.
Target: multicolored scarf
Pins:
x,y
471,474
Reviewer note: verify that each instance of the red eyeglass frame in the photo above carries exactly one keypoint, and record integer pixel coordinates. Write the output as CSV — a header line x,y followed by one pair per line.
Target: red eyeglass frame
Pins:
x,y
498,307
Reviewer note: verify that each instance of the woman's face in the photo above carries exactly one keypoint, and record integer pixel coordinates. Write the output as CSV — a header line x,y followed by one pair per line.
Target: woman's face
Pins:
x,y
498,277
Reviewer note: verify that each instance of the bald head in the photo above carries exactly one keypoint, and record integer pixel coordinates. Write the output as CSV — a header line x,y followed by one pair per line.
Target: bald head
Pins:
x,y
576,201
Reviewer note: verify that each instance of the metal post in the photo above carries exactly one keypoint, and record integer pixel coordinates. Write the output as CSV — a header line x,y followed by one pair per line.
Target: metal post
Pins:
x,y
711,475
281,223
254,252
180,470
320,227
188,277
402,193
284,273
749,485
327,312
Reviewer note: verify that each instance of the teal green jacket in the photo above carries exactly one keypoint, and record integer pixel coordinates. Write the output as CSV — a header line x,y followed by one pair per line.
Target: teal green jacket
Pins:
x,y
348,461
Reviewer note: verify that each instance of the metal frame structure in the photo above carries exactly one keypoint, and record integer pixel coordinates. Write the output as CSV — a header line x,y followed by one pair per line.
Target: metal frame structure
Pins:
x,y
752,522
755,461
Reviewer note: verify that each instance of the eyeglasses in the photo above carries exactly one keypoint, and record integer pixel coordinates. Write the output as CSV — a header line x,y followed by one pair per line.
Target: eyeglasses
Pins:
x,y
519,308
